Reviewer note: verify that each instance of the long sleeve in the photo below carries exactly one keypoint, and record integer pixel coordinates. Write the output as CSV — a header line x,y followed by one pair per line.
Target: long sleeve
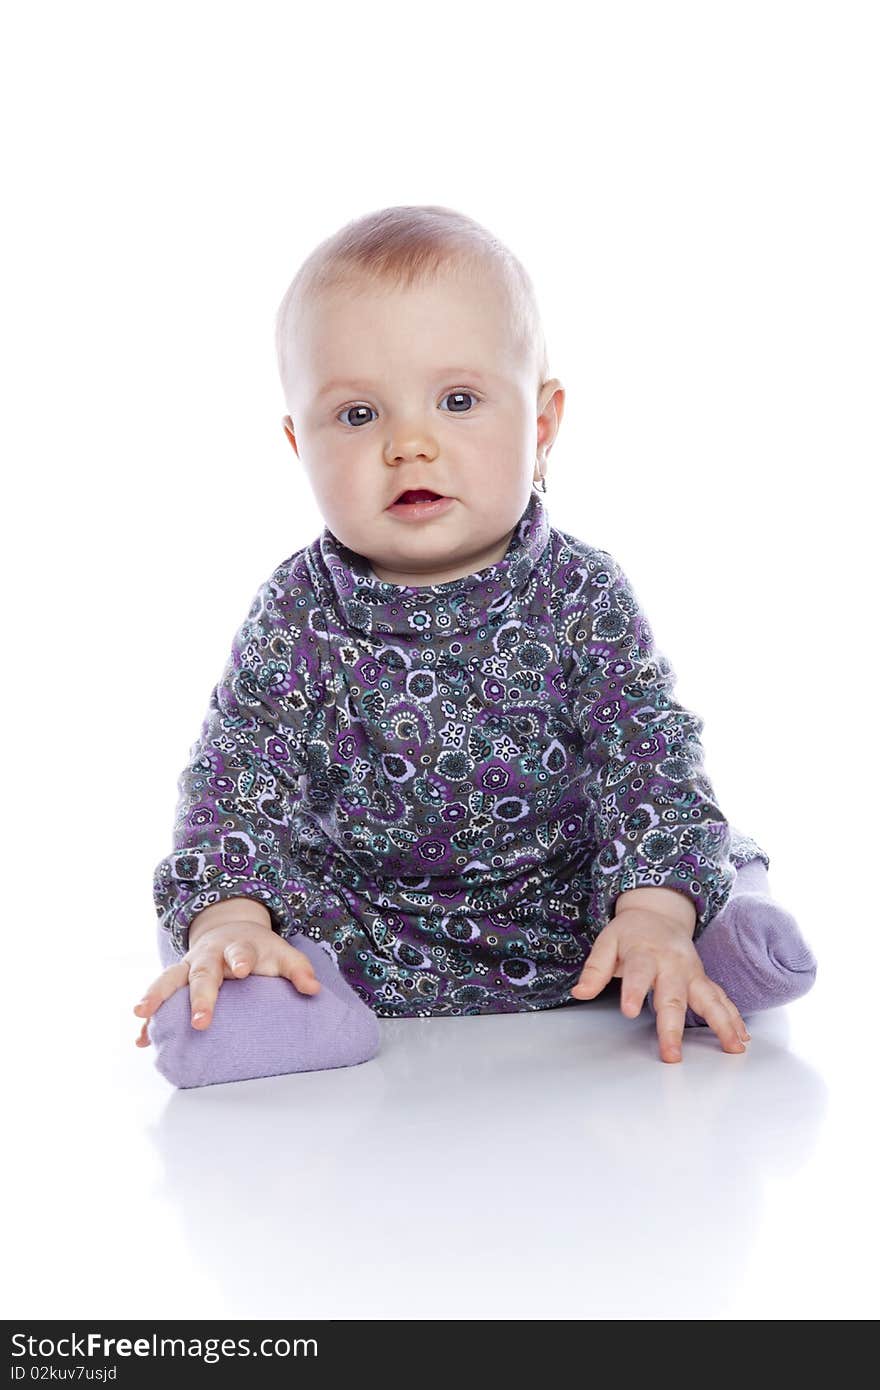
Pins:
x,y
656,820
236,796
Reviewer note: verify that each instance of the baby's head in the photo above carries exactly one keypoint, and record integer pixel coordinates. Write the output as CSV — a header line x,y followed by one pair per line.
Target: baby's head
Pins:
x,y
412,357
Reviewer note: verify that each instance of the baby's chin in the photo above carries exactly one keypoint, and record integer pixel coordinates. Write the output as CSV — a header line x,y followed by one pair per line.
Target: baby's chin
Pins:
x,y
425,565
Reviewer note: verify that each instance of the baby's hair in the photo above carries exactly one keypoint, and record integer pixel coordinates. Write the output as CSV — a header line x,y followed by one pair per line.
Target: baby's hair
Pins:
x,y
405,245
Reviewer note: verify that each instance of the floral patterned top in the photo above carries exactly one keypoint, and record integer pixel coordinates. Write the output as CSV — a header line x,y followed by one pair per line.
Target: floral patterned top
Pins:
x,y
448,786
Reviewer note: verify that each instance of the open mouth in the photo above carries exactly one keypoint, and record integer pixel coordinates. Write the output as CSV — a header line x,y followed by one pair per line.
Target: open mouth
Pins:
x,y
421,494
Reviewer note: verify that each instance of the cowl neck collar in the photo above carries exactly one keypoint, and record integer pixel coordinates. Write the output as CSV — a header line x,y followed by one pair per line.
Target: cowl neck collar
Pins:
x,y
374,606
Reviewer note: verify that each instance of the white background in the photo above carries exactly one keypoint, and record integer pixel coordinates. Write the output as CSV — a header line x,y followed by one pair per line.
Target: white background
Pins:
x,y
693,189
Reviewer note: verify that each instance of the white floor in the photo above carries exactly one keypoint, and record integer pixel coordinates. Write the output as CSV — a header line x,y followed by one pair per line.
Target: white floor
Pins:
x,y
532,1165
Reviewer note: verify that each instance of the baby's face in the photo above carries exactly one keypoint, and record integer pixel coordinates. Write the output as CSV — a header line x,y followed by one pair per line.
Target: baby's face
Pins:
x,y
394,389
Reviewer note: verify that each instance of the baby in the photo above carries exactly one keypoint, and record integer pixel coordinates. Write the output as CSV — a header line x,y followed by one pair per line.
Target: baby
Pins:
x,y
443,771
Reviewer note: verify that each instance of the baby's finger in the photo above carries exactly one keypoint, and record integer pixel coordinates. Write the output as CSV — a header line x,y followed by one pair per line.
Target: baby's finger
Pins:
x,y
738,1021
639,973
298,969
599,966
205,980
670,1005
709,1001
161,989
241,957
144,1039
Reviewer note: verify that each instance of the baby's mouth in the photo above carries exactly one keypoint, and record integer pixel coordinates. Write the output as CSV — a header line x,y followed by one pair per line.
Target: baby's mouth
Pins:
x,y
421,494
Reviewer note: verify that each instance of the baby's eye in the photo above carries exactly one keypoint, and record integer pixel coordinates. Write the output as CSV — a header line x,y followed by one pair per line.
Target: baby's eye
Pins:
x,y
459,396
355,410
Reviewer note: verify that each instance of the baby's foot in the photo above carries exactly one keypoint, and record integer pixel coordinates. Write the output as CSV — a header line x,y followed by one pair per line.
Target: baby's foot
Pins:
x,y
262,1026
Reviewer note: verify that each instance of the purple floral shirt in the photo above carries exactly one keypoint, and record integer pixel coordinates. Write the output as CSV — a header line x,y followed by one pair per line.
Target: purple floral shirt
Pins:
x,y
448,786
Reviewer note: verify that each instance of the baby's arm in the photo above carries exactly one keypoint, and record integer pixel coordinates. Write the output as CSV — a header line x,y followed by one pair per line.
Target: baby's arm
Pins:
x,y
238,793
657,822
231,877
662,863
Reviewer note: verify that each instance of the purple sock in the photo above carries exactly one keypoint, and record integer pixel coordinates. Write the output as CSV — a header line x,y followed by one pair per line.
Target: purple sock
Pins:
x,y
263,1026
753,949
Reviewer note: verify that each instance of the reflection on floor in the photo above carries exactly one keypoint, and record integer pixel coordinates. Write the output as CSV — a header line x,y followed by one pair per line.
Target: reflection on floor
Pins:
x,y
545,1165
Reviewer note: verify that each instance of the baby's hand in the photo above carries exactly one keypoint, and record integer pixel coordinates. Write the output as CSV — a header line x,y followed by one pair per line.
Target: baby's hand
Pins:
x,y
229,950
647,949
